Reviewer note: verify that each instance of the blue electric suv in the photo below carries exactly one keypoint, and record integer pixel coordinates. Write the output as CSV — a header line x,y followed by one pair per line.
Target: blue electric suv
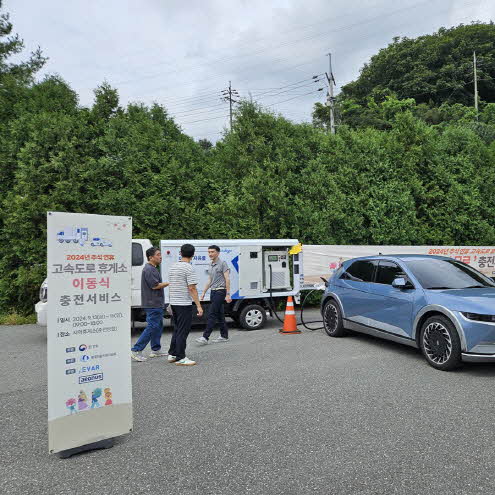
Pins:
x,y
437,304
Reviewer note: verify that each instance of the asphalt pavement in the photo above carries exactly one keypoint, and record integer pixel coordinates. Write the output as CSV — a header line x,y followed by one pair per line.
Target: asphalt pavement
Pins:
x,y
265,414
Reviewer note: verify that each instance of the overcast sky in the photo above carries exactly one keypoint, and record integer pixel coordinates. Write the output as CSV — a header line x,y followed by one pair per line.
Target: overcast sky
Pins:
x,y
182,54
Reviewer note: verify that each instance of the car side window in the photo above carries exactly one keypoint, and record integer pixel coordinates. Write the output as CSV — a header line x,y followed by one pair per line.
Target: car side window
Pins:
x,y
387,272
360,271
137,254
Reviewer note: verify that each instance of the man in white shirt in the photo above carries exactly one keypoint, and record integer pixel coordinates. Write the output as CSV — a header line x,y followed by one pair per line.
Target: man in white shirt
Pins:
x,y
183,291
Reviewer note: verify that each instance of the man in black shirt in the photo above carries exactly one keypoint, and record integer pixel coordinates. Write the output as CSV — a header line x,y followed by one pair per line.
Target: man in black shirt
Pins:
x,y
153,302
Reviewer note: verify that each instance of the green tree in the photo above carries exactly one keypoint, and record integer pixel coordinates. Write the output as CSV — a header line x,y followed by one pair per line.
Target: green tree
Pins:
x,y
434,68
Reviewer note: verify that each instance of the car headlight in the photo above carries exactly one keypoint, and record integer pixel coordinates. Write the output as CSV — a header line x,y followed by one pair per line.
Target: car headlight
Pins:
x,y
478,317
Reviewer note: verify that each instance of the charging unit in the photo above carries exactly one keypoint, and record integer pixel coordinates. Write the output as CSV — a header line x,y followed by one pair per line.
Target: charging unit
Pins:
x,y
276,270
249,262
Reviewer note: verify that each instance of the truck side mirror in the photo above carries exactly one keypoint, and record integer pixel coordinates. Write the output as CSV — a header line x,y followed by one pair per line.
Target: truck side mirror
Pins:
x,y
325,281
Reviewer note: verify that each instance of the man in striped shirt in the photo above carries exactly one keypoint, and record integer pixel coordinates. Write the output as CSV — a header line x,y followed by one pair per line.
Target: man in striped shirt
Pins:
x,y
183,281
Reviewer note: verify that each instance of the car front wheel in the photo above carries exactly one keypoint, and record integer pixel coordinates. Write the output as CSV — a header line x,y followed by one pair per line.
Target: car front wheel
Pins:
x,y
332,319
440,343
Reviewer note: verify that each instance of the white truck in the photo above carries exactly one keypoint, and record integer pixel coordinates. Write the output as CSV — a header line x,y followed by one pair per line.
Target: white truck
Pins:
x,y
261,272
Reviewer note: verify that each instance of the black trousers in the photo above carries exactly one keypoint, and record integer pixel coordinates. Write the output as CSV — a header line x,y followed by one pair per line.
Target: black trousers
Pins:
x,y
216,314
182,327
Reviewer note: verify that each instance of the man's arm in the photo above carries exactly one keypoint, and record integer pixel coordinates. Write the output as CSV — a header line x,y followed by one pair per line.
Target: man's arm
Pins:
x,y
207,286
194,294
226,274
161,285
152,280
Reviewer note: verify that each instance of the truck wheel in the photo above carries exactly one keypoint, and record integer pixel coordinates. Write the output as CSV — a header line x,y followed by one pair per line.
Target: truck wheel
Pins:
x,y
252,317
67,241
61,241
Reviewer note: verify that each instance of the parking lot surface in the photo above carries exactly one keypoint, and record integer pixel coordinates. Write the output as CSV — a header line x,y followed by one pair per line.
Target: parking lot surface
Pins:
x,y
264,413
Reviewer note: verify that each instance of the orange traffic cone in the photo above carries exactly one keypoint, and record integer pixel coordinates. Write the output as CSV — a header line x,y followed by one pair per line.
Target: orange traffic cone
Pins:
x,y
290,324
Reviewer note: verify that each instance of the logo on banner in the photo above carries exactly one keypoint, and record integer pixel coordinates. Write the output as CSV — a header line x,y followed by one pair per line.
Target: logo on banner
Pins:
x,y
70,372
70,349
91,378
89,369
85,358
70,361
83,347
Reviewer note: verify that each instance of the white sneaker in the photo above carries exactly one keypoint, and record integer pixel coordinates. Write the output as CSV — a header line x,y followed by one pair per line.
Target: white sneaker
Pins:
x,y
137,356
220,339
202,341
185,362
171,359
158,353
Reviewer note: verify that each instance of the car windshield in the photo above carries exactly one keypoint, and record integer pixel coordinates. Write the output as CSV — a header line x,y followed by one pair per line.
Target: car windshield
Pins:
x,y
447,274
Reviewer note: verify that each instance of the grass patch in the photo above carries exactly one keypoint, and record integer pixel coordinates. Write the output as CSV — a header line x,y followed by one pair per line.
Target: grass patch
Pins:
x,y
17,319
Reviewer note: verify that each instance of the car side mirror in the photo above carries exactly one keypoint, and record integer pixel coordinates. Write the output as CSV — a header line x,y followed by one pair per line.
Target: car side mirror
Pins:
x,y
325,281
399,283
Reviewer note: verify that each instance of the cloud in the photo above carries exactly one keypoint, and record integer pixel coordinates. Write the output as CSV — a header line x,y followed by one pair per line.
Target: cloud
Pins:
x,y
183,54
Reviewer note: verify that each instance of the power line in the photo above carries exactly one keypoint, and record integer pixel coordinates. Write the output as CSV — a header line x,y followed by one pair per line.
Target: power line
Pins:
x,y
195,110
226,96
185,103
305,94
204,120
262,95
269,94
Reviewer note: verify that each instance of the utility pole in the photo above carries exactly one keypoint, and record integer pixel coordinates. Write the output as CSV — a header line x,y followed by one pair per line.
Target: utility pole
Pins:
x,y
228,95
475,86
331,99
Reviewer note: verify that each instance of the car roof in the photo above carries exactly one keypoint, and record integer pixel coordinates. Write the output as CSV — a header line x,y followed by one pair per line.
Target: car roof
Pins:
x,y
402,257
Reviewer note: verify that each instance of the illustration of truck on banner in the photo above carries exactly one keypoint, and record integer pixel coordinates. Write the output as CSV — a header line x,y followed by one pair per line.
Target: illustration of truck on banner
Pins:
x,y
73,234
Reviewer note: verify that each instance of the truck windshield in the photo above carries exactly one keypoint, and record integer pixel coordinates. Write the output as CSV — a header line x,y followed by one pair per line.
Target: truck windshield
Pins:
x,y
447,274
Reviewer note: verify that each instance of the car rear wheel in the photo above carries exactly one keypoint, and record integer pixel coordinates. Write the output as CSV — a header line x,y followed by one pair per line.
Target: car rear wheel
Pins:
x,y
332,319
440,343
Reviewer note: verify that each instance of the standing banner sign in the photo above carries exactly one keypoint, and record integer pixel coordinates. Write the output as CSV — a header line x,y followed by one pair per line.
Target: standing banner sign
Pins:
x,y
89,370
